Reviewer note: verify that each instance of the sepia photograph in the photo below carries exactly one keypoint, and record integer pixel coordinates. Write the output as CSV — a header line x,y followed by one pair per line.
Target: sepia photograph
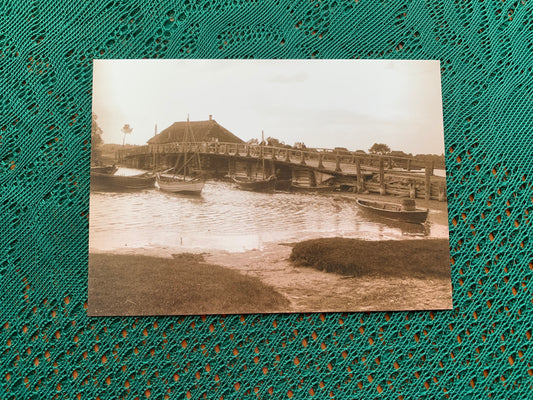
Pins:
x,y
267,186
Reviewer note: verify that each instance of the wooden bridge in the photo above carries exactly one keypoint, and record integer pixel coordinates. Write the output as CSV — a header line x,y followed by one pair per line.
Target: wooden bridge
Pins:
x,y
358,172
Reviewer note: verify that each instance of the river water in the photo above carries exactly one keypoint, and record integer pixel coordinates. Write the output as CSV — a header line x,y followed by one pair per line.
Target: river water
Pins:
x,y
226,218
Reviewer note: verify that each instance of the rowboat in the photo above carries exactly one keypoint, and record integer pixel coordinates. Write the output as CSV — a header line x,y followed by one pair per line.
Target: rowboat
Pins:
x,y
406,212
110,169
256,184
110,182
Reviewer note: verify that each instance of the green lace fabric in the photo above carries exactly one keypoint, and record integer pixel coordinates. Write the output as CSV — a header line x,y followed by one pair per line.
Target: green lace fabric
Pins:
x,y
50,349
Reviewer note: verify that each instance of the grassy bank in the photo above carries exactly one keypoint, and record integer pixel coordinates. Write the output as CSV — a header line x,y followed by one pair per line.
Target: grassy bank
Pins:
x,y
141,285
427,258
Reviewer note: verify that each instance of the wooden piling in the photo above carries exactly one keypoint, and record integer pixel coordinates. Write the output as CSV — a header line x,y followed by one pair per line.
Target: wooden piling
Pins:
x,y
360,184
412,190
338,164
320,159
442,192
409,164
302,159
427,182
382,190
288,155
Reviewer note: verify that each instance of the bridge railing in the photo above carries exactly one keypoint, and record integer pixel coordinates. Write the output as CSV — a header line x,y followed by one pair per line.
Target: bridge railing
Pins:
x,y
324,158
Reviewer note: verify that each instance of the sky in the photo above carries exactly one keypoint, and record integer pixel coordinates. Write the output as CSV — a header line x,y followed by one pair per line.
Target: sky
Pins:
x,y
323,103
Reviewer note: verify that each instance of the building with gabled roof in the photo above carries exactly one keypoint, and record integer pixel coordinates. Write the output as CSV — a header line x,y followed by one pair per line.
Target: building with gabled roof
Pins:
x,y
203,131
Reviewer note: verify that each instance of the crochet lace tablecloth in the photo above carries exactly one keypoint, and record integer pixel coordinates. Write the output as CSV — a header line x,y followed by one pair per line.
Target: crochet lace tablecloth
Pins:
x,y
50,349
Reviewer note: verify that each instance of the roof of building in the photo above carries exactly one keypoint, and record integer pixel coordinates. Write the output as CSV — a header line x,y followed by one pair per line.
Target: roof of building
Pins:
x,y
202,131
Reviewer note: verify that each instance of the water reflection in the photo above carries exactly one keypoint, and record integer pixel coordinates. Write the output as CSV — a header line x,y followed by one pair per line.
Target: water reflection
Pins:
x,y
225,218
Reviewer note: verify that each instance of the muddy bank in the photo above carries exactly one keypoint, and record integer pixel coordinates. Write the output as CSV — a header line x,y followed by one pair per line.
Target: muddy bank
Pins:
x,y
310,290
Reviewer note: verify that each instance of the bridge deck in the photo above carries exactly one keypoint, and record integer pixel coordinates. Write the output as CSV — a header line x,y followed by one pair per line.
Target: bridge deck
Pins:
x,y
323,160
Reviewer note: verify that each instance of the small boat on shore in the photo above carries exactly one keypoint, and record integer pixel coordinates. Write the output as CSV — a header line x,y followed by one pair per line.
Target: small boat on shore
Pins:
x,y
406,212
108,169
256,184
109,182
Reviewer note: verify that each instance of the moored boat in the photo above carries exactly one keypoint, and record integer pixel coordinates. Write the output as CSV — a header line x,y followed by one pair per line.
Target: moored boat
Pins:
x,y
181,181
256,184
297,187
406,212
110,182
305,180
177,184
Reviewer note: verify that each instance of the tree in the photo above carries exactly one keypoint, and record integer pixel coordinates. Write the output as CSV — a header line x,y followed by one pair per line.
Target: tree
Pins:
x,y
379,148
126,130
274,142
96,141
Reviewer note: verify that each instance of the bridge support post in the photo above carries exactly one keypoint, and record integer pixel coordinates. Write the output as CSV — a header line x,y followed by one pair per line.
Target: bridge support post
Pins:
x,y
442,193
288,155
273,157
338,164
390,162
248,151
237,151
302,159
320,159
382,189
360,184
427,182
412,190
226,149
409,164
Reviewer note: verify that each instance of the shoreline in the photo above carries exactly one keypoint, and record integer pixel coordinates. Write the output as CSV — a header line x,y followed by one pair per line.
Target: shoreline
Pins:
x,y
307,289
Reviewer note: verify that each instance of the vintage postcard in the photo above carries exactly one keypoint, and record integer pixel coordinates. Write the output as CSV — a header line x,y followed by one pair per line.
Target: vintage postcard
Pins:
x,y
267,186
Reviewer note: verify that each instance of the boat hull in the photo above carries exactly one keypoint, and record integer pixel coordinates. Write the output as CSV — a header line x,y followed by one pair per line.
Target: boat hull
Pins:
x,y
109,182
393,211
312,189
256,185
173,185
109,170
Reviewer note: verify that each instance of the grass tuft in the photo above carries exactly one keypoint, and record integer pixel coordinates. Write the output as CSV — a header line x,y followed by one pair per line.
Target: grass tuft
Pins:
x,y
428,258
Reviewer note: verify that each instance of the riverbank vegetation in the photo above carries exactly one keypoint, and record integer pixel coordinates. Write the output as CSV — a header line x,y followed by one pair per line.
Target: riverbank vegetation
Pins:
x,y
427,258
142,285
